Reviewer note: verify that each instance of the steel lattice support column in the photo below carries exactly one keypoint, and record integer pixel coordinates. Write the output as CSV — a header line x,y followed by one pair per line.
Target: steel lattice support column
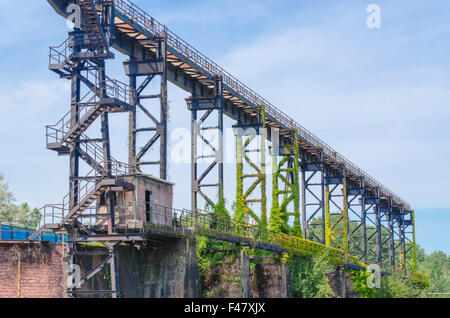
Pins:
x,y
206,106
409,241
286,172
405,243
378,235
345,219
336,212
385,210
113,265
389,212
373,227
149,68
74,154
313,199
74,121
357,219
244,199
398,238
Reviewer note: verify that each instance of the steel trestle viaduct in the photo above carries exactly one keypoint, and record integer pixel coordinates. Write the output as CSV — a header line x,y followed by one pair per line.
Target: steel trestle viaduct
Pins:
x,y
335,207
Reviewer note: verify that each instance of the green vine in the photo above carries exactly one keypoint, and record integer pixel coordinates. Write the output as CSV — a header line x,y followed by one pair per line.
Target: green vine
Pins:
x,y
359,278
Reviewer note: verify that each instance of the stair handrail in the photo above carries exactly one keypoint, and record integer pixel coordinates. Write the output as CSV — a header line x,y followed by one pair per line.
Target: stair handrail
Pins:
x,y
82,189
58,53
117,89
59,130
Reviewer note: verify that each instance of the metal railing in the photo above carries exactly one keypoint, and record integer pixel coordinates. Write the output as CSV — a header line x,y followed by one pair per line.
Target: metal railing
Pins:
x,y
56,133
52,214
209,224
117,89
82,190
209,68
21,231
60,54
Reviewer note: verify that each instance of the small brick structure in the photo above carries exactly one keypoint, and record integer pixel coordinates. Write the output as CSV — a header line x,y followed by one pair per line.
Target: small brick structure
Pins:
x,y
32,270
149,201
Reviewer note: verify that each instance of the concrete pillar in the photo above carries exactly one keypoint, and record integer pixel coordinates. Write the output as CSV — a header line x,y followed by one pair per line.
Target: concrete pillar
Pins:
x,y
191,278
285,280
246,286
342,279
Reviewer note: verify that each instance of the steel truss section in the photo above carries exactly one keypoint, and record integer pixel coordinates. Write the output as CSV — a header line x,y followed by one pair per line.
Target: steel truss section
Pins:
x,y
77,256
409,242
313,198
386,236
286,173
373,227
202,109
398,241
404,246
414,251
244,199
357,236
336,212
149,69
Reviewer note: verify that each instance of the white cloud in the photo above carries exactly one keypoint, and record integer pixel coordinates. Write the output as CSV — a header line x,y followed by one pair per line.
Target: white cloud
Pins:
x,y
31,97
389,119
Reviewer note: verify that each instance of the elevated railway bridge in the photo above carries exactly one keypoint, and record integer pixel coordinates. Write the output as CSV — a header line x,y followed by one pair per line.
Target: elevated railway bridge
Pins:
x,y
320,201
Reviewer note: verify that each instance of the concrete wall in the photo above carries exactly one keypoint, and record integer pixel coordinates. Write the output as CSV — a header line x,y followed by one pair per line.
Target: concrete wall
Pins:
x,y
271,280
342,284
164,270
39,274
224,280
160,270
233,279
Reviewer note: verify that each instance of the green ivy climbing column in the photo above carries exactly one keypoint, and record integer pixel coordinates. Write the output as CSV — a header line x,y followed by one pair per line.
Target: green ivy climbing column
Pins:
x,y
244,199
336,224
286,172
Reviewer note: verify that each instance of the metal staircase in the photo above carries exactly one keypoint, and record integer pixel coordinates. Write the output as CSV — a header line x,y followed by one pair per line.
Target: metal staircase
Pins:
x,y
81,58
92,191
104,95
92,24
64,133
89,189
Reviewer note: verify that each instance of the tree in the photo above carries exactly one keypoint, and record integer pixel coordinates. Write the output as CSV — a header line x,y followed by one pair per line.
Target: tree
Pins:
x,y
17,214
437,267
309,277
397,286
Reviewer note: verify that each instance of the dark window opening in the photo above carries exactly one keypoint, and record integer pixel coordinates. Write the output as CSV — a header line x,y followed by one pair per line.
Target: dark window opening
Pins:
x,y
148,206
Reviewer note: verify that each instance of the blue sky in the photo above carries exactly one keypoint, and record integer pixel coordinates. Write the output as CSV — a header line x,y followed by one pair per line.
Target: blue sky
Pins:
x,y
380,97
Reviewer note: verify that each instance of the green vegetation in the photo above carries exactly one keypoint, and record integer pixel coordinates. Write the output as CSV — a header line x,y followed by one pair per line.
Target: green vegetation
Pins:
x,y
437,266
392,286
360,284
16,214
397,286
309,277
